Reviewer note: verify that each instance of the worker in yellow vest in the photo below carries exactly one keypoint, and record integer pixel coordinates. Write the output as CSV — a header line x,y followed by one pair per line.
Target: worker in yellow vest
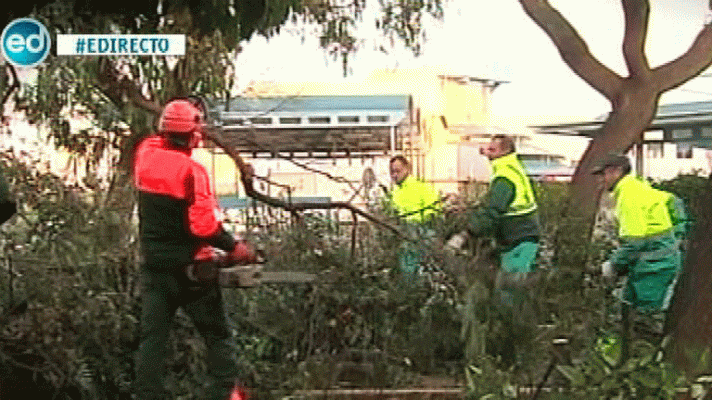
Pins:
x,y
417,203
649,252
413,199
509,215
509,211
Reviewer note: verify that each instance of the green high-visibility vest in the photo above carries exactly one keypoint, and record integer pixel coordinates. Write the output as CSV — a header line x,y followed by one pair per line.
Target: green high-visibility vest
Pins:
x,y
641,209
510,168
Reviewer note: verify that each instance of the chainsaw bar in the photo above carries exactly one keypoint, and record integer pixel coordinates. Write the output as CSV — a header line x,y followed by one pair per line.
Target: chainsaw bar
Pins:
x,y
253,275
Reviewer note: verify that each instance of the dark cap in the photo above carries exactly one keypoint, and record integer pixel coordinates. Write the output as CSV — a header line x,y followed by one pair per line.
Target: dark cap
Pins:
x,y
611,160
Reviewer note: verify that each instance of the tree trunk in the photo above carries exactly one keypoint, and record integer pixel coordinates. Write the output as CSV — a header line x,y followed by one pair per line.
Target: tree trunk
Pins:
x,y
691,315
624,127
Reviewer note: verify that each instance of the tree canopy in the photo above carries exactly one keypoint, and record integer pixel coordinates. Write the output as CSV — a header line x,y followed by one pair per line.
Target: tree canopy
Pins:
x,y
121,95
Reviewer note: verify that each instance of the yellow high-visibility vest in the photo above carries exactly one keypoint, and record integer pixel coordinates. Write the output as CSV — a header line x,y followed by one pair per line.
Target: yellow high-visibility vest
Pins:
x,y
510,168
415,200
641,209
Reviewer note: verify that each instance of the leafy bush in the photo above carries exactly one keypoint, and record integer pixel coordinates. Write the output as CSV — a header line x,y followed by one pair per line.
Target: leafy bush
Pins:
x,y
73,256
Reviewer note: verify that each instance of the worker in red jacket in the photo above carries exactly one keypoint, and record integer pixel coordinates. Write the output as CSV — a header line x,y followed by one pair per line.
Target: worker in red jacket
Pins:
x,y
178,227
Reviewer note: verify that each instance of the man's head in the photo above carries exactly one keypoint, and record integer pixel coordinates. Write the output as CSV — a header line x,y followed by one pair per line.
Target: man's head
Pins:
x,y
499,146
399,169
182,123
611,169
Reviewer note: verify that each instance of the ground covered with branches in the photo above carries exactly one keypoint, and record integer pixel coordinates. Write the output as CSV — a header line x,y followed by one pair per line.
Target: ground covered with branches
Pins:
x,y
70,309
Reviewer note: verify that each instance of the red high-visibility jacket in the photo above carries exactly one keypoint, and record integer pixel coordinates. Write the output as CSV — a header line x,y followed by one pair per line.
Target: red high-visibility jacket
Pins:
x,y
178,211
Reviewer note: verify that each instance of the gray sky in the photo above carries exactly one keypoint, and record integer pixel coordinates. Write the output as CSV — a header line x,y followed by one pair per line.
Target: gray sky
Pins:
x,y
496,39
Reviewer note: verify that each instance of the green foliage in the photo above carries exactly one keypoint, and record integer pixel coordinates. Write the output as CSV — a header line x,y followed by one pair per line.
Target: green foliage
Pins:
x,y
117,96
403,19
487,382
74,258
87,111
689,188
71,259
645,374
361,326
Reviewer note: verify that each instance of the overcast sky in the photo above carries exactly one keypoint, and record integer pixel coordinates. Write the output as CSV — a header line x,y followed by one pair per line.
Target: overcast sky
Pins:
x,y
495,39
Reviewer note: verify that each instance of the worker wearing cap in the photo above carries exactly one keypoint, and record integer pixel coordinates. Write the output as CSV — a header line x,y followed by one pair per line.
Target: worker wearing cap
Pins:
x,y
648,255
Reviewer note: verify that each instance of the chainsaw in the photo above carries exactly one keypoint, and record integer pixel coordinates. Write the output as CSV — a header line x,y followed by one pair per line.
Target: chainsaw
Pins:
x,y
244,276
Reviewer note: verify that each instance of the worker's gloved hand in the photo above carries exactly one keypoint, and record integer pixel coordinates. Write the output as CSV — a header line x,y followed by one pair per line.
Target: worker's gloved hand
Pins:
x,y
456,242
244,253
607,270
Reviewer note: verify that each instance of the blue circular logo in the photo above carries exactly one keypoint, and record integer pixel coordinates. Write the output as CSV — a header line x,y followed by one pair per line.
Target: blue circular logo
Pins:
x,y
25,42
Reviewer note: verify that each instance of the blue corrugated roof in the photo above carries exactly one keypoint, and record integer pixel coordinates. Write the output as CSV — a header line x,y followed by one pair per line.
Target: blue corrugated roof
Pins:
x,y
305,104
693,107
694,115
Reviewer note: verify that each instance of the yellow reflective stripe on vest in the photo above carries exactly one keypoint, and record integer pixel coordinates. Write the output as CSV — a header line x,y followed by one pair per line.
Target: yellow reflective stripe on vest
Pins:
x,y
510,168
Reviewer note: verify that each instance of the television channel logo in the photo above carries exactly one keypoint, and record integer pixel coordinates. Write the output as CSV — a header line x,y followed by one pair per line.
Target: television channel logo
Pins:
x,y
25,42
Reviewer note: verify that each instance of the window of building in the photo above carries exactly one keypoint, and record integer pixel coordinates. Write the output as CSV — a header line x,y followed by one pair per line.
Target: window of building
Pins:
x,y
653,135
261,120
655,150
348,120
378,118
682,133
290,120
684,150
319,120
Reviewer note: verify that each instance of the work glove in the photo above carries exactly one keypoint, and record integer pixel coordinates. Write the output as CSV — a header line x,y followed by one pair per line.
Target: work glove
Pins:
x,y
607,270
456,241
244,253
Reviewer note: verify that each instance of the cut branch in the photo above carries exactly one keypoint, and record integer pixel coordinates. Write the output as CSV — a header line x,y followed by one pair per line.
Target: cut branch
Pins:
x,y
695,60
247,175
572,48
637,17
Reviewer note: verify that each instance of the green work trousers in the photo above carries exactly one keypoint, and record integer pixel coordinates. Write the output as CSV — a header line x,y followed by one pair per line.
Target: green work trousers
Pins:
x,y
411,254
162,294
513,303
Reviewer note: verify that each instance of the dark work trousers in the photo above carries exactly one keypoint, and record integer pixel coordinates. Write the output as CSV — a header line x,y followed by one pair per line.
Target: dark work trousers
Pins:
x,y
162,294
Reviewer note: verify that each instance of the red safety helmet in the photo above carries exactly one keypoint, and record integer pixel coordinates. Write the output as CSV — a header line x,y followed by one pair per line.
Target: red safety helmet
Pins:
x,y
182,119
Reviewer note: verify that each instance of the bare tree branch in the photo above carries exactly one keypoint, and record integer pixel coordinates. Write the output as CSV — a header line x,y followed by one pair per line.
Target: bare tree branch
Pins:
x,y
334,178
247,174
134,94
695,60
15,85
637,17
572,48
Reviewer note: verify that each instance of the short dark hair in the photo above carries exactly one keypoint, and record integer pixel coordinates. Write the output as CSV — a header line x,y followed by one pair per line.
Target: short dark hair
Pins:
x,y
401,159
506,141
